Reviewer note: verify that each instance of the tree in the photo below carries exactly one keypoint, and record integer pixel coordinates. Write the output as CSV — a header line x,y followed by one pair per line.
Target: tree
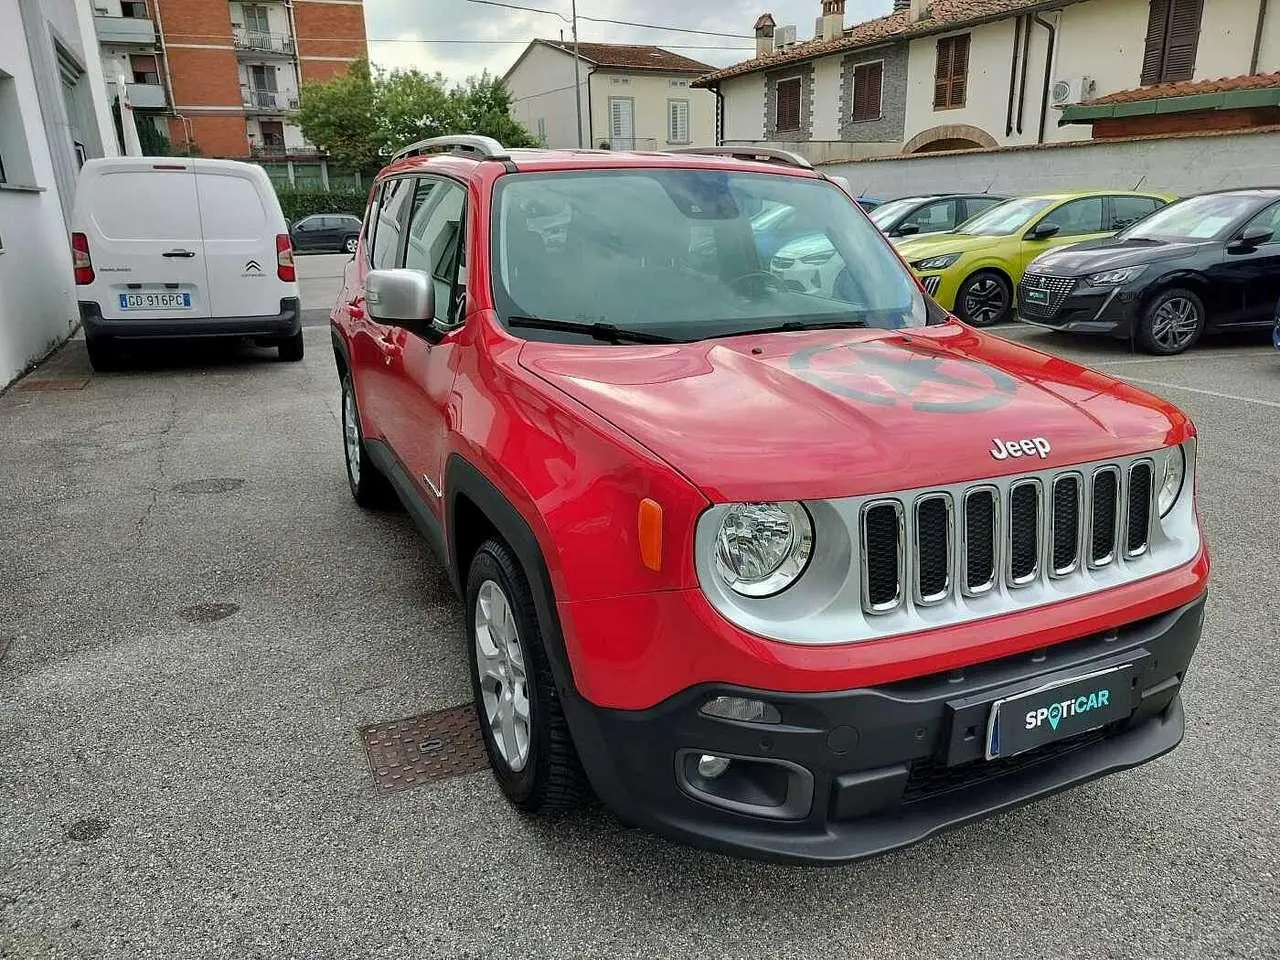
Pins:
x,y
363,116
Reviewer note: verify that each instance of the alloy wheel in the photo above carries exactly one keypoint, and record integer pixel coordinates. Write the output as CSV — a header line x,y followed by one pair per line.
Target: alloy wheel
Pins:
x,y
985,301
350,245
1175,324
504,686
351,435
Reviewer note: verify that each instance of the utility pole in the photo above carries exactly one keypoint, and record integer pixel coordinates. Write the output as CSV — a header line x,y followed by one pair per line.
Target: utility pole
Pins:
x,y
577,76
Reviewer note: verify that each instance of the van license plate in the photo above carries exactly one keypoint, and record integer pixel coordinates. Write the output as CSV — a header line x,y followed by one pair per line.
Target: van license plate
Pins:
x,y
155,301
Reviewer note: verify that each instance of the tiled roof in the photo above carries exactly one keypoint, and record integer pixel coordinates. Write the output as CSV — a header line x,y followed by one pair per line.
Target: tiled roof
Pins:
x,y
943,15
1160,91
626,57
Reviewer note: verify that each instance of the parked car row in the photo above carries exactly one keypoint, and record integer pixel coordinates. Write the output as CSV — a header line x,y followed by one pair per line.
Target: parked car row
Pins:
x,y
1146,267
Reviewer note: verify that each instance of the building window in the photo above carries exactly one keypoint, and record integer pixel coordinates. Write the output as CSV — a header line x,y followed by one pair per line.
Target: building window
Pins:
x,y
679,83
787,111
951,76
137,11
255,19
1173,33
866,91
677,121
622,123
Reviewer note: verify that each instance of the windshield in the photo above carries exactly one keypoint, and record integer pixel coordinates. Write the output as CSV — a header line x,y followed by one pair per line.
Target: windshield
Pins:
x,y
1006,218
690,254
1196,218
884,215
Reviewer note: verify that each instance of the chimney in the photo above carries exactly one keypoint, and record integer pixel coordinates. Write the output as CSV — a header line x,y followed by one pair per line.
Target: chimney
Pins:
x,y
920,10
900,5
764,34
832,19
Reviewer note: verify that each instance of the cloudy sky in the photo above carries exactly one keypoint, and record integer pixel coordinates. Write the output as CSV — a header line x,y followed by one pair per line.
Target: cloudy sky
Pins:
x,y
397,27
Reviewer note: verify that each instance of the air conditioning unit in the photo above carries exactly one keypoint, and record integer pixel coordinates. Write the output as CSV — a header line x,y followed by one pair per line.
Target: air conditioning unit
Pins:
x,y
784,37
1071,90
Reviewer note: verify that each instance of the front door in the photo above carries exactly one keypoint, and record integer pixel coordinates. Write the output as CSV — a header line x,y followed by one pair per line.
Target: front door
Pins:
x,y
1076,220
622,123
1254,274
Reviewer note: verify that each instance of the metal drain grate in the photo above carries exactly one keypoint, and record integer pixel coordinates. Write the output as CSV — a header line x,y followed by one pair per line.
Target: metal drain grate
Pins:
x,y
31,385
431,746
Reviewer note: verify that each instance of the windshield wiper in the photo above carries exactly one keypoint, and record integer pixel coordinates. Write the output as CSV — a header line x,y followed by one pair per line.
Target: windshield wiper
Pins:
x,y
788,326
606,332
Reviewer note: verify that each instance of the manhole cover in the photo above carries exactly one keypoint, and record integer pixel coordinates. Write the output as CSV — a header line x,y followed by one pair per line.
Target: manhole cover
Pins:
x,y
431,746
31,385
208,612
86,831
208,485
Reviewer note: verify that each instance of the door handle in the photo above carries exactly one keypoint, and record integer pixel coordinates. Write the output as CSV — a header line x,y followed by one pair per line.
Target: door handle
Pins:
x,y
178,253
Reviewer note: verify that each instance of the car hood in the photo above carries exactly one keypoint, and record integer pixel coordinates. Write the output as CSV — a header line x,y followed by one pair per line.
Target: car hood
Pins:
x,y
1112,253
939,244
835,413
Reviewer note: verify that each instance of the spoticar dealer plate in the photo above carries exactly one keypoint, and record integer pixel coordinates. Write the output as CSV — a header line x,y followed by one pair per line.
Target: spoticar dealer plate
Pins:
x,y
431,746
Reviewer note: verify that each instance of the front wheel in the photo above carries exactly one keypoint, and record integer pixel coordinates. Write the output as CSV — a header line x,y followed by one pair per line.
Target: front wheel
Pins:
x,y
984,299
1171,323
349,244
523,724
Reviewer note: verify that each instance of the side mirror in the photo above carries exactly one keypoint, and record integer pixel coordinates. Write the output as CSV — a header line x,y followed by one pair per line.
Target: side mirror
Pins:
x,y
1251,238
1043,231
907,230
401,298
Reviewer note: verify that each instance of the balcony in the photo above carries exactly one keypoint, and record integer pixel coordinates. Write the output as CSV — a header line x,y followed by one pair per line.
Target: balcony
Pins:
x,y
259,44
268,101
128,30
277,149
147,96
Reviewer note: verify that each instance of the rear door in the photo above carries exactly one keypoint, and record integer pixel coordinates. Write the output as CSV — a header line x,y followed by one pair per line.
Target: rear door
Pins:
x,y
239,242
143,226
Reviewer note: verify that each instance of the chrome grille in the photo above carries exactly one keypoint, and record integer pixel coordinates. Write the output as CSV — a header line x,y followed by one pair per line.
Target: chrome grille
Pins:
x,y
1010,535
1057,289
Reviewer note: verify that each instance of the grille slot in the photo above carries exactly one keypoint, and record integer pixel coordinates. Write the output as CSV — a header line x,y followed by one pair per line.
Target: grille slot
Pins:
x,y
1106,516
981,534
1065,522
1139,526
883,536
1024,532
933,522
1056,288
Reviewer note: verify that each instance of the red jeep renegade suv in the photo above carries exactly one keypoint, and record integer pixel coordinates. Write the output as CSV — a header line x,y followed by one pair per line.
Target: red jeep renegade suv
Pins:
x,y
755,541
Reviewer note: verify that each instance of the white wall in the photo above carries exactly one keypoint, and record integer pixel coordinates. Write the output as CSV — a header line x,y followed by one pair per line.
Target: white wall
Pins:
x,y
649,94
826,99
743,107
1226,37
541,86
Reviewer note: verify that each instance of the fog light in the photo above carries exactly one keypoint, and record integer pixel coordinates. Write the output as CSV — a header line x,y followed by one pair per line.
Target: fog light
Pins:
x,y
741,708
710,767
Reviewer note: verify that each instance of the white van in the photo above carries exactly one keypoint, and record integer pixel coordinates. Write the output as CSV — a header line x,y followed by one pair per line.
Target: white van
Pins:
x,y
177,247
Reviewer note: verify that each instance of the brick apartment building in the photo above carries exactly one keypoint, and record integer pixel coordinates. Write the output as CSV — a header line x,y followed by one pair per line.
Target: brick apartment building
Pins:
x,y
224,75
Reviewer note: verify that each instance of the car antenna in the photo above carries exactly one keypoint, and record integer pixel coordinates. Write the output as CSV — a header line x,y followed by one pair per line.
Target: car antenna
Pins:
x,y
987,188
1141,180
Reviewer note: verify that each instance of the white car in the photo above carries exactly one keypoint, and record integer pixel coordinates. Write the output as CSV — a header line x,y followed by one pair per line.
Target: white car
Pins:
x,y
808,265
169,247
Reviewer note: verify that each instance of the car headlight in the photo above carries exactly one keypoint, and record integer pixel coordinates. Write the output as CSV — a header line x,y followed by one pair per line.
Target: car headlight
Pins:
x,y
818,258
936,263
1110,278
1172,474
762,548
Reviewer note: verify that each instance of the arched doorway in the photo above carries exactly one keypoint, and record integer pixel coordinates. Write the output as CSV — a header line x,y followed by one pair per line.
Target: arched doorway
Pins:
x,y
951,136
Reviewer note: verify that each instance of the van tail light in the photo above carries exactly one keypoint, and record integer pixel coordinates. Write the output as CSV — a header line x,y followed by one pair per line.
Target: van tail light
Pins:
x,y
80,259
284,258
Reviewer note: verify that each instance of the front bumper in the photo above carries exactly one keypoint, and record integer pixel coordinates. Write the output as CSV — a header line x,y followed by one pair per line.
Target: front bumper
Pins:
x,y
858,772
286,323
1082,308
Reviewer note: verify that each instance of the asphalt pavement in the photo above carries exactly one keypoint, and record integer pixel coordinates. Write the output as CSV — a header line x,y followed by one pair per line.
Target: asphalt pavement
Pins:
x,y
319,283
201,619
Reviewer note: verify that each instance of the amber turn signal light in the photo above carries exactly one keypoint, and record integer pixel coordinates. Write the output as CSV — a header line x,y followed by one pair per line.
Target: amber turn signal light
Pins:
x,y
650,529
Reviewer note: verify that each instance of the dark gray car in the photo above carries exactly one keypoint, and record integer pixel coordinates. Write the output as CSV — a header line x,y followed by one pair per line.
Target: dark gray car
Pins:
x,y
936,213
326,233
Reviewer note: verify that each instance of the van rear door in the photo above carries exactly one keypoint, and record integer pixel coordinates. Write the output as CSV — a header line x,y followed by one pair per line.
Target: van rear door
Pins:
x,y
239,240
144,237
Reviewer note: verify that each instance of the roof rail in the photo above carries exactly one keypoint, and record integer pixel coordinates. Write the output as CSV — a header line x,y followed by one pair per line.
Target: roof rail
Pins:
x,y
767,154
468,145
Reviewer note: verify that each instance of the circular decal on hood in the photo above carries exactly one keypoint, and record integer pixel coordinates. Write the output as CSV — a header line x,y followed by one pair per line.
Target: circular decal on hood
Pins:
x,y
892,376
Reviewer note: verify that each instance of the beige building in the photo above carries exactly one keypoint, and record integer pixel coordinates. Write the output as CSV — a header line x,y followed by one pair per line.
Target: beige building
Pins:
x,y
632,97
955,74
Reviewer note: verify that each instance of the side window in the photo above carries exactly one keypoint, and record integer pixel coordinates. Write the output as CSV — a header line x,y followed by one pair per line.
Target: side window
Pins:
x,y
1078,217
436,244
1126,211
1268,219
932,217
386,237
976,205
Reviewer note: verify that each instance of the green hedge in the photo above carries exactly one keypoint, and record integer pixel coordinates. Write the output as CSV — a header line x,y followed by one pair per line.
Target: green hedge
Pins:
x,y
302,203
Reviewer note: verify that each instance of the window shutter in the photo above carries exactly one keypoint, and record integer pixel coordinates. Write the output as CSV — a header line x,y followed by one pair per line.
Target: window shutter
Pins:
x,y
875,90
1153,52
788,111
942,74
1184,37
866,91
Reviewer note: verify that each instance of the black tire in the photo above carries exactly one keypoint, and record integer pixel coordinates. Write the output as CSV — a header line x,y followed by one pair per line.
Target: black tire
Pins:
x,y
984,299
550,779
292,348
349,244
1172,322
369,487
102,356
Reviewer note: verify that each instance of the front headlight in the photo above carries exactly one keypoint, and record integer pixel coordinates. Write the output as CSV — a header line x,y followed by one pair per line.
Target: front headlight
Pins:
x,y
762,548
1111,278
1172,474
936,263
